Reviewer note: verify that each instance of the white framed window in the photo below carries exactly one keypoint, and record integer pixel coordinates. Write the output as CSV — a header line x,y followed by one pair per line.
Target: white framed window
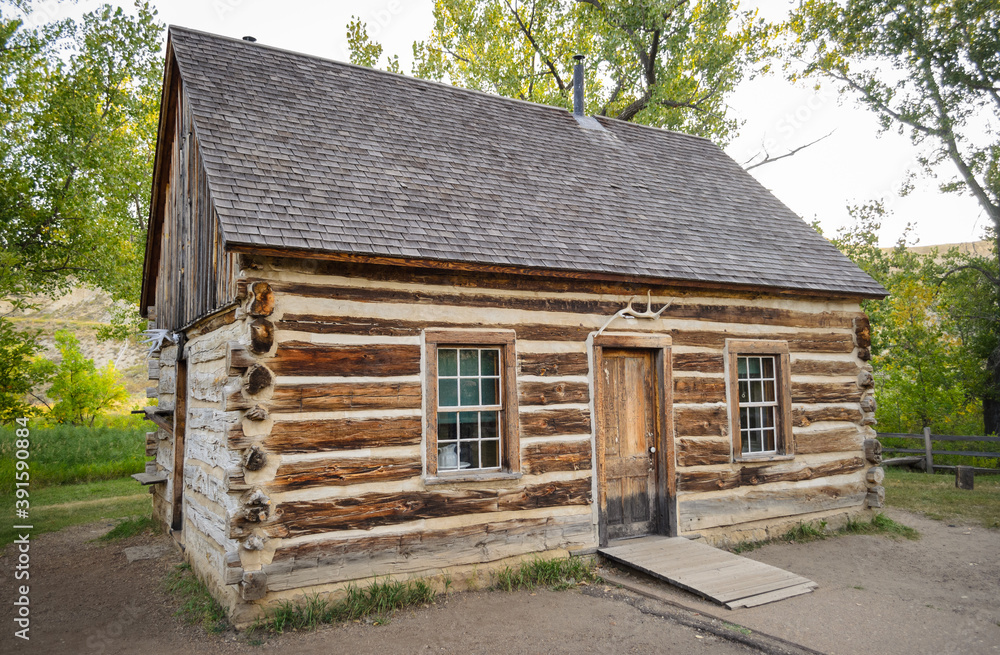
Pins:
x,y
469,402
759,389
758,398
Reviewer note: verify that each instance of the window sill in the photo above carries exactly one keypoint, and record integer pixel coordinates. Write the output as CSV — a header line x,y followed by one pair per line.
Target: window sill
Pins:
x,y
471,477
746,459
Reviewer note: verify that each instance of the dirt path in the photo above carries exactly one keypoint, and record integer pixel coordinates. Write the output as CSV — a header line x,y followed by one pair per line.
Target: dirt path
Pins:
x,y
940,594
86,599
936,595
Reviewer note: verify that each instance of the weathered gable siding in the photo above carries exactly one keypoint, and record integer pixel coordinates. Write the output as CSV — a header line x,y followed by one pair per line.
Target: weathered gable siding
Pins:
x,y
342,426
194,274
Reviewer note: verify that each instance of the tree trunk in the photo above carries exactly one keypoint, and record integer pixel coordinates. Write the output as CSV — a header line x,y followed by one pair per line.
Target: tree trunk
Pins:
x,y
991,401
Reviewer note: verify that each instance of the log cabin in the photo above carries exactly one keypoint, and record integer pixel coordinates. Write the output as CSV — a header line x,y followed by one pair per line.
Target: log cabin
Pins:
x,y
417,330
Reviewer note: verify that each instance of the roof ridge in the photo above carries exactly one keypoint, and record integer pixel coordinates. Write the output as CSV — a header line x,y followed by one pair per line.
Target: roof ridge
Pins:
x,y
368,69
433,83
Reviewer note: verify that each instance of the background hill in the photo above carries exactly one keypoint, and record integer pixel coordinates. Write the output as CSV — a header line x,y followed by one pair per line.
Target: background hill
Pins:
x,y
83,311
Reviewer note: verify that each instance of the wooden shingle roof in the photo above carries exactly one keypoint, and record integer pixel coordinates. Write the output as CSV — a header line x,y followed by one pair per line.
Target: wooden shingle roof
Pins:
x,y
316,156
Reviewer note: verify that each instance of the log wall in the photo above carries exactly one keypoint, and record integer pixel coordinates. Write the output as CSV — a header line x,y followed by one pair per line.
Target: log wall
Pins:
x,y
305,423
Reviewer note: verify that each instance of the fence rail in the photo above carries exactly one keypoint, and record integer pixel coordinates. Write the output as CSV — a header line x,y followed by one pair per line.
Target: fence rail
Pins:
x,y
924,457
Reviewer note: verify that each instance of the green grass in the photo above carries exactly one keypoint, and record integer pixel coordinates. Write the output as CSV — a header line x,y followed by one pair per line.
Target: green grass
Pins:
x,y
880,524
197,605
131,526
66,454
806,532
935,495
377,601
55,508
737,628
553,573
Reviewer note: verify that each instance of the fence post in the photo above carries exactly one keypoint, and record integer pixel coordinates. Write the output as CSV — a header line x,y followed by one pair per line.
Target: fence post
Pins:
x,y
965,477
928,457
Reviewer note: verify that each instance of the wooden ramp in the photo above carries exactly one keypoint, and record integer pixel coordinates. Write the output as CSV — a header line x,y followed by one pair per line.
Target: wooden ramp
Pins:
x,y
719,576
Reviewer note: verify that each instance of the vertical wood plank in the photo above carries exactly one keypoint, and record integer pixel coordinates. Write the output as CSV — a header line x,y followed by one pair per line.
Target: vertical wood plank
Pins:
x,y
511,418
180,420
431,390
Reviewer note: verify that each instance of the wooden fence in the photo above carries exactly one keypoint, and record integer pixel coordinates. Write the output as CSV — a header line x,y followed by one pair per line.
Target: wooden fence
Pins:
x,y
924,457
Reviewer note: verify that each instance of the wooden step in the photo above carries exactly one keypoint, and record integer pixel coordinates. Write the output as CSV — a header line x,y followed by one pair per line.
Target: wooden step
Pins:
x,y
717,575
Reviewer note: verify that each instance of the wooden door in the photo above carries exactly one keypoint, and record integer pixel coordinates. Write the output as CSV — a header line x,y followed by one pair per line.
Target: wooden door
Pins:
x,y
628,414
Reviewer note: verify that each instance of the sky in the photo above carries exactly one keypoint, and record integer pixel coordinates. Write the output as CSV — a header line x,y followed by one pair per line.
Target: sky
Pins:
x,y
854,165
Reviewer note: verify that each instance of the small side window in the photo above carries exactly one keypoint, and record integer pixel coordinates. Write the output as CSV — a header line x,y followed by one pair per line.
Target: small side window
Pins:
x,y
472,422
759,399
469,406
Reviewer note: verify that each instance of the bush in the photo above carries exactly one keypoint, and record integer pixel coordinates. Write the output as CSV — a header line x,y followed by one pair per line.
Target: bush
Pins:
x,y
17,377
81,390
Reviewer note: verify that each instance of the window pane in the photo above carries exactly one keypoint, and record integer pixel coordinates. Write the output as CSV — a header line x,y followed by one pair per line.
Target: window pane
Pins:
x,y
756,391
490,391
447,456
490,454
743,418
769,391
448,393
753,367
755,444
769,440
447,426
768,366
745,437
470,392
767,416
744,392
753,417
447,361
468,455
469,362
468,425
741,365
488,423
490,362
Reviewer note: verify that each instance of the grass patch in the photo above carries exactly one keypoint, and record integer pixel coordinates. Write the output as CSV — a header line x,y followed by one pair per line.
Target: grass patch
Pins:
x,y
197,605
553,573
880,524
67,454
130,527
806,532
737,628
935,495
378,601
55,508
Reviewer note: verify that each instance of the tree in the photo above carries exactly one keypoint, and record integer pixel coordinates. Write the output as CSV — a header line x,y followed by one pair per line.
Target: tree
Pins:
x,y
667,63
79,107
365,52
16,378
926,369
81,390
929,68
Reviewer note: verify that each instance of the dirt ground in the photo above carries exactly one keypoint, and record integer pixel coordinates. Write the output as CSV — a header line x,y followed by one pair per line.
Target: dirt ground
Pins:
x,y
875,595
